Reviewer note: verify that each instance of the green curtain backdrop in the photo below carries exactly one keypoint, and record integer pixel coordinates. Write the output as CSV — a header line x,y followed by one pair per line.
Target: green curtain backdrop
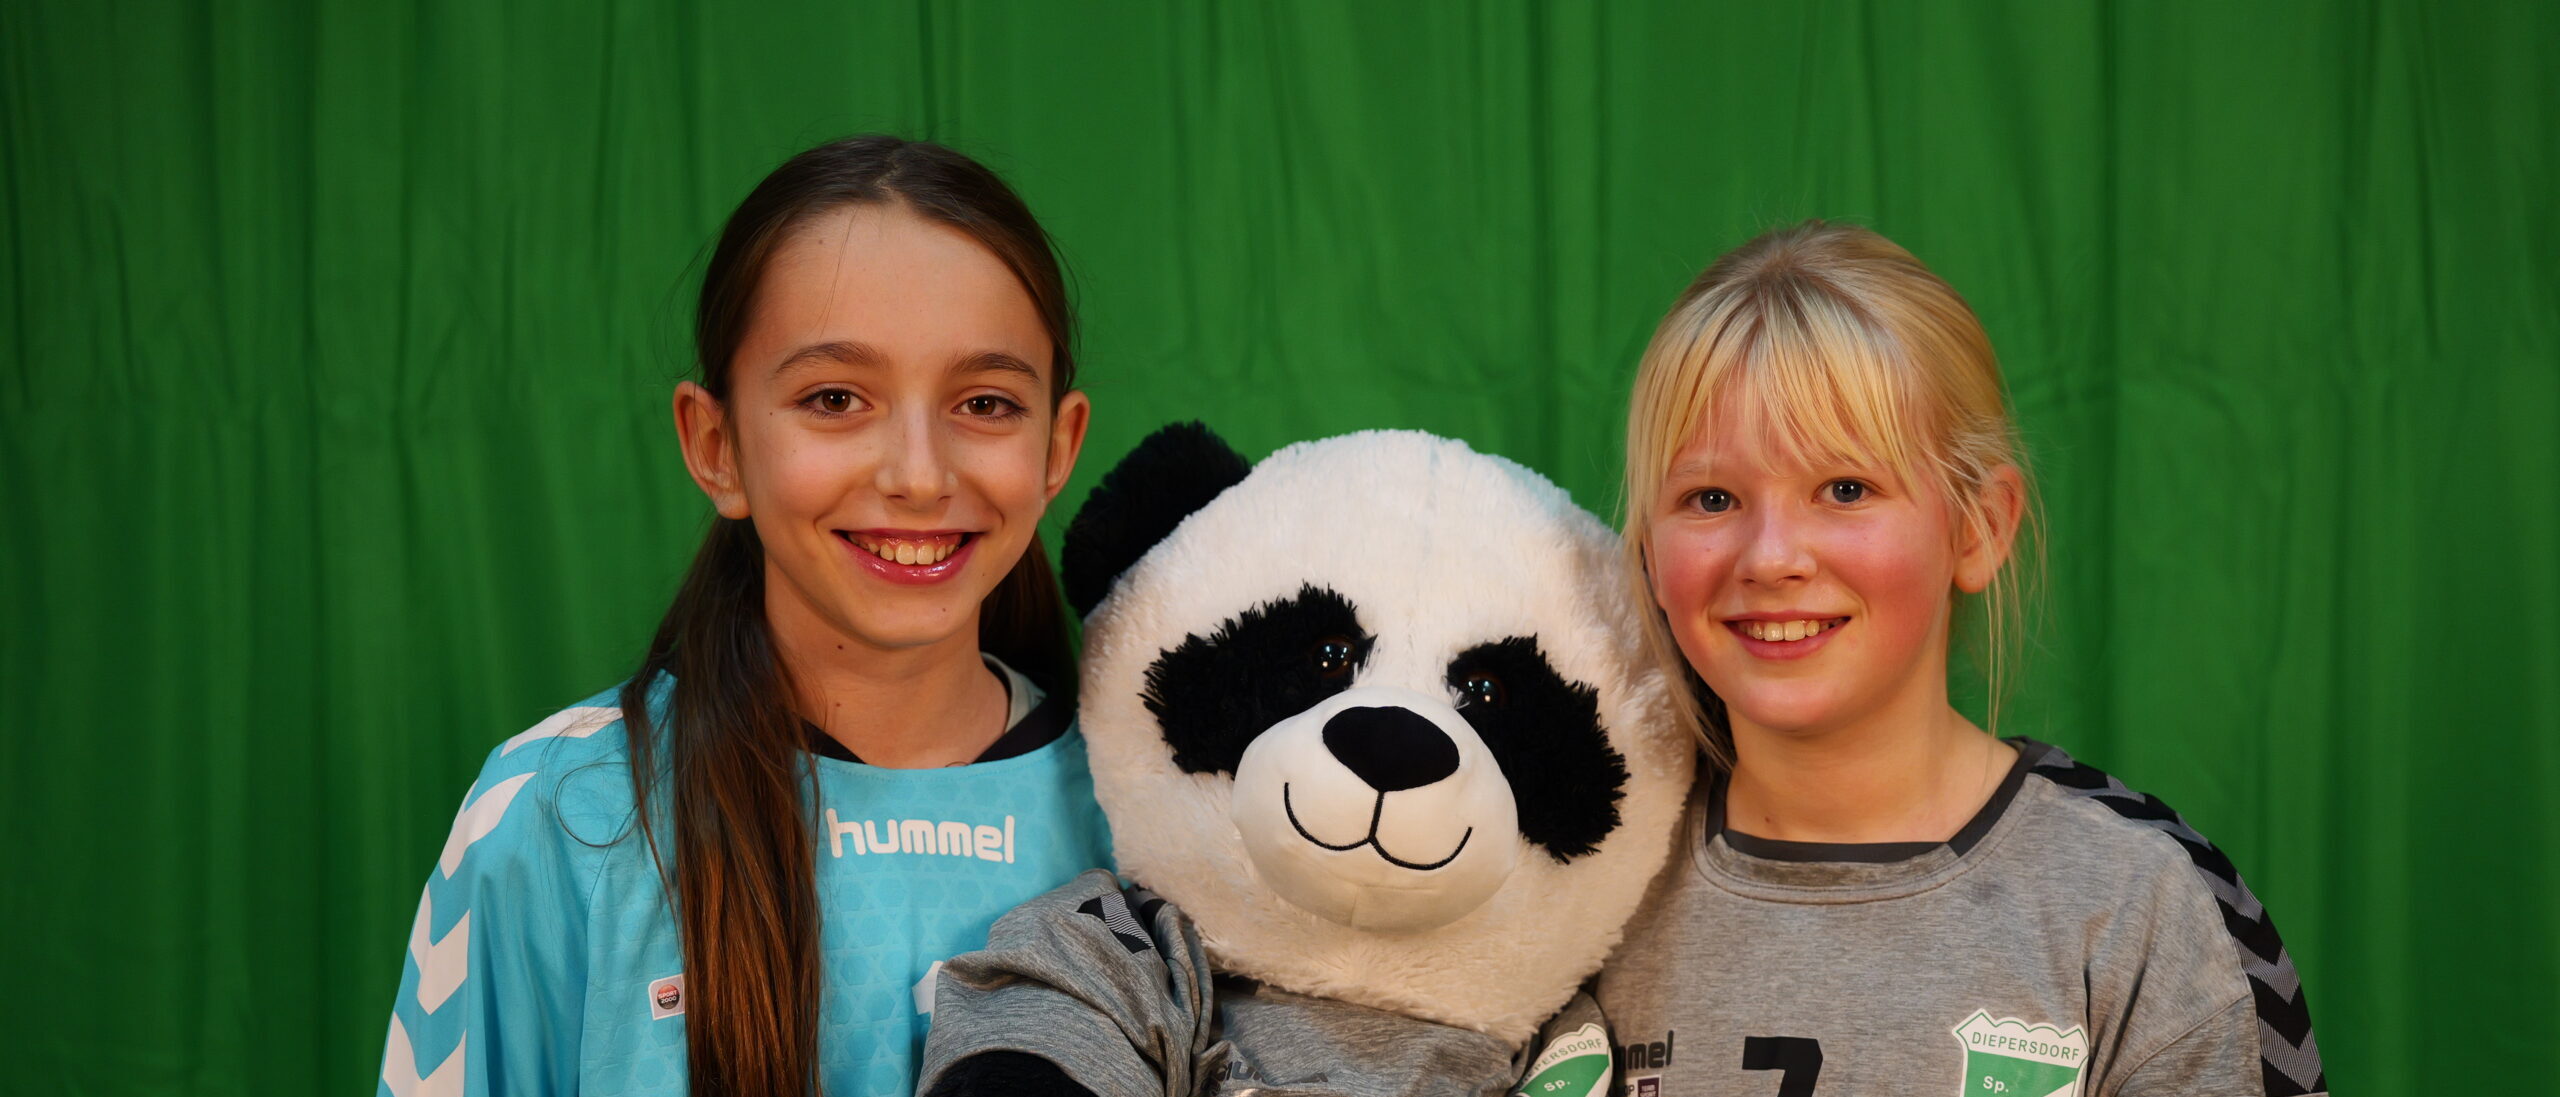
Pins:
x,y
336,442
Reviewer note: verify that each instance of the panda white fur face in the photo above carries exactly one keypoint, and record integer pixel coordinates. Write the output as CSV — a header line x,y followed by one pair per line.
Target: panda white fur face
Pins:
x,y
1378,718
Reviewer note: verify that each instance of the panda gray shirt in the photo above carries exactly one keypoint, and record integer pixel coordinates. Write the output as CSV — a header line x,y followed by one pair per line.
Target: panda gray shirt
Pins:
x,y
2075,938
1113,987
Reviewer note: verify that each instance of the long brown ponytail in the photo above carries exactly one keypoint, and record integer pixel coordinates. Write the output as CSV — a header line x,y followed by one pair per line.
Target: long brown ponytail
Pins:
x,y
736,851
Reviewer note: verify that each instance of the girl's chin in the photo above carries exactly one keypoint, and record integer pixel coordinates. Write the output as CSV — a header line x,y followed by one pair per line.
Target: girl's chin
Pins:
x,y
880,627
1789,718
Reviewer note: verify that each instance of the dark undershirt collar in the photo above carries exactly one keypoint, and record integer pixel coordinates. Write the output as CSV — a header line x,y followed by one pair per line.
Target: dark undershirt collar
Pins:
x,y
1038,728
1773,849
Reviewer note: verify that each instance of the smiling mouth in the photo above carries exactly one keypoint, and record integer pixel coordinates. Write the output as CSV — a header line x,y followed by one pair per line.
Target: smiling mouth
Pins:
x,y
1375,811
1786,632
920,550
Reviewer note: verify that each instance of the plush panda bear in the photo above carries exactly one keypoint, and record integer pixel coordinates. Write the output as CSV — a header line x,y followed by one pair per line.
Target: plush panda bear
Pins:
x,y
1375,718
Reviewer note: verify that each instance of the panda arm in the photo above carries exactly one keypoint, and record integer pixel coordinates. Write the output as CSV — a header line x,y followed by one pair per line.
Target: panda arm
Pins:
x,y
1010,1072
1088,989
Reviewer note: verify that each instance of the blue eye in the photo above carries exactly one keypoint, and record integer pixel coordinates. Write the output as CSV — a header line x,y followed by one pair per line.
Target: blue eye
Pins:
x,y
1847,491
1713,500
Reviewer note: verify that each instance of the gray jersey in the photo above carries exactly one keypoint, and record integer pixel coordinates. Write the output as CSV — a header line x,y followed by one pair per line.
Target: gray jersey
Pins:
x,y
2075,939
1113,987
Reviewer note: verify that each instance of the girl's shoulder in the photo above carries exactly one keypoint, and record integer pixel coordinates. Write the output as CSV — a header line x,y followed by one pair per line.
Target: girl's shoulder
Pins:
x,y
2086,813
2163,870
587,733
558,791
2136,826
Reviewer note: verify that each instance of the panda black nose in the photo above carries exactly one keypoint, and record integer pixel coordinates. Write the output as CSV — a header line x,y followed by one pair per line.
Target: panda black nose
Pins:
x,y
1391,748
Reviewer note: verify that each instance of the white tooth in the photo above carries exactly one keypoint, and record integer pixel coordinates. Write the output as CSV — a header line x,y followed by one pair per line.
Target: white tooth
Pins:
x,y
1759,630
942,552
906,553
1795,631
1812,629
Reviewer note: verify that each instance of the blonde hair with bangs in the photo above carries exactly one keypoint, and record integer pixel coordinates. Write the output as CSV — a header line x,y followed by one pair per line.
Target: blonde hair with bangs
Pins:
x,y
1831,345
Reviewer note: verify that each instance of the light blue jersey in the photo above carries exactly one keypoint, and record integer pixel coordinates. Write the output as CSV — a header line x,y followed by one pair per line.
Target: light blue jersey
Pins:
x,y
545,958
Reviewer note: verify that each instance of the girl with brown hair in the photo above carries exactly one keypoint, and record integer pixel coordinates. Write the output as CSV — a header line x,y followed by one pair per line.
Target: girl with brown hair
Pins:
x,y
848,748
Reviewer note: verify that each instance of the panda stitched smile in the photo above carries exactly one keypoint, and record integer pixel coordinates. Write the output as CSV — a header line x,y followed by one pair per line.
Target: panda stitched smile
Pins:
x,y
1376,811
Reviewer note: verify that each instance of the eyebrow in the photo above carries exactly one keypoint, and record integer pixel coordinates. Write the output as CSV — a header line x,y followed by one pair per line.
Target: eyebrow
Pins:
x,y
1686,469
850,353
840,352
996,361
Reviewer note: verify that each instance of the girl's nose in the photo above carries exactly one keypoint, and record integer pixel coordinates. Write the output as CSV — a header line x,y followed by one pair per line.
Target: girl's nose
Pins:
x,y
914,469
1777,551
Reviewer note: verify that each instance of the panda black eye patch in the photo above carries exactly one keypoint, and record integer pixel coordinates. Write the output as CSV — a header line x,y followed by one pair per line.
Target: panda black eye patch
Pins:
x,y
1546,732
1212,695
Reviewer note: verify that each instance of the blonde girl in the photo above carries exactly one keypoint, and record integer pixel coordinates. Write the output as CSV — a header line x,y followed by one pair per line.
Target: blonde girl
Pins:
x,y
1881,897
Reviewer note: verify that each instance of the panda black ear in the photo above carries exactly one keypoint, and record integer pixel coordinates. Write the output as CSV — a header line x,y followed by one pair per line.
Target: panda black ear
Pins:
x,y
1170,474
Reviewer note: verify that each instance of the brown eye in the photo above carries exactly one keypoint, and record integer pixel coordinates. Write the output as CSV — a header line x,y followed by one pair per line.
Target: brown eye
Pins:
x,y
1480,688
833,401
1334,656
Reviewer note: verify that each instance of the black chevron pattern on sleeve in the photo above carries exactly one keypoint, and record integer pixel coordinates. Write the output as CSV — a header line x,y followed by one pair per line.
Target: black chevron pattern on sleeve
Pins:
x,y
2288,1055
1112,910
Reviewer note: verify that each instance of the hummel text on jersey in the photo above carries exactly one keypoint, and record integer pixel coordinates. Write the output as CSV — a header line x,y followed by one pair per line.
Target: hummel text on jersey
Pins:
x,y
944,839
1653,1056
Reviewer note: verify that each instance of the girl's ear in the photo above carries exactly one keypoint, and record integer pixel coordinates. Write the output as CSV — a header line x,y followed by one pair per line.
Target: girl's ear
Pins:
x,y
1994,530
710,451
1066,439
